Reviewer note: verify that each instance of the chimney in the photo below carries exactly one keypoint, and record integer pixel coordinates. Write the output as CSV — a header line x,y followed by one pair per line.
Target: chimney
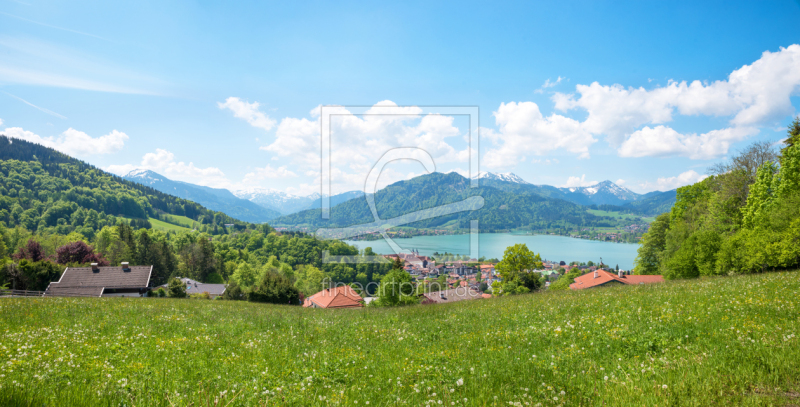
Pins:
x,y
619,273
125,266
595,274
95,269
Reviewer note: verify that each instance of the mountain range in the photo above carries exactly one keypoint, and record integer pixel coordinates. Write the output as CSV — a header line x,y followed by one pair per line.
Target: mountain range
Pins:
x,y
217,199
501,209
602,193
262,204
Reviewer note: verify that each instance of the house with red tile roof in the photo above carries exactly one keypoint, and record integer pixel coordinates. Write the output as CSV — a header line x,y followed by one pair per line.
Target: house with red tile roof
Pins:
x,y
601,277
338,297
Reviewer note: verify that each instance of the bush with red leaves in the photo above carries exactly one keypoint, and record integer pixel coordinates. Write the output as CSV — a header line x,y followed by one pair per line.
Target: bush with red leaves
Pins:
x,y
79,252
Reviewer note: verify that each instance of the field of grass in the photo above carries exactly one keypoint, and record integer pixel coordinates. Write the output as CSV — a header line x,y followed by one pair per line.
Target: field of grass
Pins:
x,y
180,220
161,225
619,215
710,342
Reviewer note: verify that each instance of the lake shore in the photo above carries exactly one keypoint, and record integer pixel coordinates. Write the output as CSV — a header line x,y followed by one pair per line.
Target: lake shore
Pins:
x,y
492,245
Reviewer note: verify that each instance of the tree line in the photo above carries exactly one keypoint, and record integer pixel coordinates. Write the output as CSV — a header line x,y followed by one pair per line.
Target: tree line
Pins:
x,y
744,218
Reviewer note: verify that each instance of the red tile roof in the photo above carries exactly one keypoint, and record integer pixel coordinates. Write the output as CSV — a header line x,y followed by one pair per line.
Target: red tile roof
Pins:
x,y
588,280
338,297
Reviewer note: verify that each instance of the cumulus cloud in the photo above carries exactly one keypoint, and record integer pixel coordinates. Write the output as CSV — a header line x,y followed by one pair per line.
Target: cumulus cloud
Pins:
x,y
662,141
573,182
359,140
163,162
670,183
248,111
753,95
74,142
522,129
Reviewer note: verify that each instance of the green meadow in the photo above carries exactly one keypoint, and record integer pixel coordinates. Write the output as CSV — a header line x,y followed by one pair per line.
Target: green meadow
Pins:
x,y
717,341
161,225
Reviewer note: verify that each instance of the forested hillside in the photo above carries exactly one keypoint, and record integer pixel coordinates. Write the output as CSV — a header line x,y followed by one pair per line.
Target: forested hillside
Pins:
x,y
744,219
43,189
502,210
217,199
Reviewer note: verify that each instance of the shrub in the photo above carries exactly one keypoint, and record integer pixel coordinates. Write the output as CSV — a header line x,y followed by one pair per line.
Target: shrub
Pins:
x,y
234,292
275,289
176,288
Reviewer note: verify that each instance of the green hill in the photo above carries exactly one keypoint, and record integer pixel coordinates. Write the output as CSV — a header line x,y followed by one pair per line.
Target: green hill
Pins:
x,y
43,189
723,341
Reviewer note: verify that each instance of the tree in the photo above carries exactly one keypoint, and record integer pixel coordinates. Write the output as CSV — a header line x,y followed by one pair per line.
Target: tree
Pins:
x,y
31,251
78,252
652,245
761,195
395,290
516,270
176,288
275,289
245,276
310,280
565,280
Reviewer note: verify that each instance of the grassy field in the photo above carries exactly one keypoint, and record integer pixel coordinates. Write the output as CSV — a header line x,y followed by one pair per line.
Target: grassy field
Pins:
x,y
161,225
620,215
180,220
711,342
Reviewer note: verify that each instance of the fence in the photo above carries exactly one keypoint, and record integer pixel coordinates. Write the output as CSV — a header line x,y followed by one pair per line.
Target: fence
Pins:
x,y
20,293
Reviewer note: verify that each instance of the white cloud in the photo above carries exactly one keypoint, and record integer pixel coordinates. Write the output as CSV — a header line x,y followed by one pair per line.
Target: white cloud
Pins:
x,y
359,140
753,95
74,142
670,183
573,182
163,162
249,112
548,84
662,141
267,172
522,129
620,182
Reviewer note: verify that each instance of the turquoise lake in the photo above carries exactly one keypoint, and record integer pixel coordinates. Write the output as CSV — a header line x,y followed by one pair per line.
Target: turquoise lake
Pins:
x,y
492,245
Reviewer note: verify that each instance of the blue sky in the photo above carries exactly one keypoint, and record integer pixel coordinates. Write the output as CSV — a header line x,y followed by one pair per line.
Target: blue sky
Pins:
x,y
223,95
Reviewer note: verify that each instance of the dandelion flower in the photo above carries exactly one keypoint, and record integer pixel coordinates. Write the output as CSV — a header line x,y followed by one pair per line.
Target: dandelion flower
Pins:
x,y
460,382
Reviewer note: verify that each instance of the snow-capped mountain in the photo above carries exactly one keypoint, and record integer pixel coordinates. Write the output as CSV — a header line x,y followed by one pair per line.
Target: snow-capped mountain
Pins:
x,y
505,177
280,201
605,192
217,199
144,177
